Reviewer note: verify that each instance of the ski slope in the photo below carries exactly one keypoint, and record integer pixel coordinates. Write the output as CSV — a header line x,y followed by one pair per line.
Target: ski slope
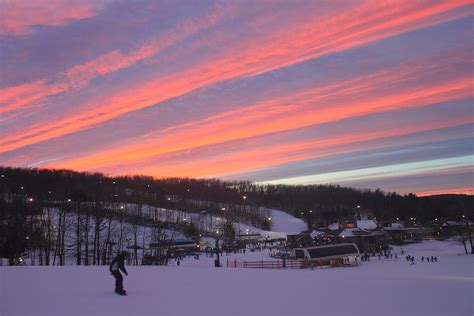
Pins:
x,y
378,287
283,224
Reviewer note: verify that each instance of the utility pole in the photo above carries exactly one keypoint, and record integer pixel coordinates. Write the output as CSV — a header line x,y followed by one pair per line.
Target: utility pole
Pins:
x,y
217,262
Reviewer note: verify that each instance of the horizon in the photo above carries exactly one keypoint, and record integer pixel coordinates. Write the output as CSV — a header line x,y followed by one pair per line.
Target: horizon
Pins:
x,y
229,181
359,94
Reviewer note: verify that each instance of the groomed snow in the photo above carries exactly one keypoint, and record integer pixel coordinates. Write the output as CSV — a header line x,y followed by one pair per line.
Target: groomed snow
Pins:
x,y
283,224
378,287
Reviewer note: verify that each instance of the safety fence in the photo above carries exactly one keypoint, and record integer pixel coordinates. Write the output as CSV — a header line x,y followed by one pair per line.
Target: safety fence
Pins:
x,y
262,264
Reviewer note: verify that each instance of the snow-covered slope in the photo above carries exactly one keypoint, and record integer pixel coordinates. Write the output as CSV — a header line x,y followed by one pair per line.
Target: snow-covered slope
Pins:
x,y
284,222
378,287
282,225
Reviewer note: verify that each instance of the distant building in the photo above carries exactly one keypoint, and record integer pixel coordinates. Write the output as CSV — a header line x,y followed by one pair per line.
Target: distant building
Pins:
x,y
400,236
299,240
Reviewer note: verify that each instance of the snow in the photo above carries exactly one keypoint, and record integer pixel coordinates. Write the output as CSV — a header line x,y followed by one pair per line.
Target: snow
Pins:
x,y
333,226
316,233
378,287
283,224
366,224
347,232
396,225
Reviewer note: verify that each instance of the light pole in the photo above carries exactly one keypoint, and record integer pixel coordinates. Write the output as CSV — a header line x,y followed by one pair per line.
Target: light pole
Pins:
x,y
217,262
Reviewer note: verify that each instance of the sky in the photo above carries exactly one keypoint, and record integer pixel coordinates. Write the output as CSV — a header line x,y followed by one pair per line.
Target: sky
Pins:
x,y
366,94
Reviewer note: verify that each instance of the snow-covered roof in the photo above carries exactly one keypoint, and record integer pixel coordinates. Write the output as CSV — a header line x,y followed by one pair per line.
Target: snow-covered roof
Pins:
x,y
348,232
452,223
333,226
367,224
316,233
396,225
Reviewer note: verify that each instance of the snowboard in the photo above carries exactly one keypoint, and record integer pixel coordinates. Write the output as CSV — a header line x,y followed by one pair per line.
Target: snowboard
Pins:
x,y
124,293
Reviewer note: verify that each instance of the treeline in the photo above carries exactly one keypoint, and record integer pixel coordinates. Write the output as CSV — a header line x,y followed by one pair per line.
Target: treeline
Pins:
x,y
240,199
326,203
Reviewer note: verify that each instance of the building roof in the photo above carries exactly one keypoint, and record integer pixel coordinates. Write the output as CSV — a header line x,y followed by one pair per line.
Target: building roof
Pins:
x,y
367,224
333,226
316,233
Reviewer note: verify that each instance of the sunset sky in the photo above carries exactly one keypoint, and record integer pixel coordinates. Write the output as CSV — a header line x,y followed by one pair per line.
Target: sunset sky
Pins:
x,y
367,94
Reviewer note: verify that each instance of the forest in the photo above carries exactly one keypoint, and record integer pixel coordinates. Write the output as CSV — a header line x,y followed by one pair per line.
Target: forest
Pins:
x,y
45,209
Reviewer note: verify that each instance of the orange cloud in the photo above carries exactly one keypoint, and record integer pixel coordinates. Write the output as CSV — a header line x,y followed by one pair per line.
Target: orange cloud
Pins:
x,y
261,156
462,190
355,97
370,22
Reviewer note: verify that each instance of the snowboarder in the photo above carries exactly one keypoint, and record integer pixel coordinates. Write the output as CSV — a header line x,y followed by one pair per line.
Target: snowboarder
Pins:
x,y
115,266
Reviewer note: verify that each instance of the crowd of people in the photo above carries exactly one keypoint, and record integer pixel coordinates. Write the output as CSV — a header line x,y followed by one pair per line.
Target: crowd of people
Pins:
x,y
382,254
389,255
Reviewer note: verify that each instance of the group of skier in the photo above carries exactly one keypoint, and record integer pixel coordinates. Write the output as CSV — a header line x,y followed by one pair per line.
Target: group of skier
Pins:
x,y
411,259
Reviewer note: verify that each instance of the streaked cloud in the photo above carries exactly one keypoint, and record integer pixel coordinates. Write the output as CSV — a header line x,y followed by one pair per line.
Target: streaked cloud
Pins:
x,y
235,89
19,18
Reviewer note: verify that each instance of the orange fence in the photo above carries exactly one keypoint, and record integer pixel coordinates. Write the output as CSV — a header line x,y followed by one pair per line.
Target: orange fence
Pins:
x,y
273,264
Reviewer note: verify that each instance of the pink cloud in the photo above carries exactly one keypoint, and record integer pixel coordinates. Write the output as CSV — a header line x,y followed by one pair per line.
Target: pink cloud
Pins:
x,y
356,97
17,18
370,22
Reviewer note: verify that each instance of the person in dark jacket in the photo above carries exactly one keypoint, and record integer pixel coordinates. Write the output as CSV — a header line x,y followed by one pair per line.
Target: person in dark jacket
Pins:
x,y
115,266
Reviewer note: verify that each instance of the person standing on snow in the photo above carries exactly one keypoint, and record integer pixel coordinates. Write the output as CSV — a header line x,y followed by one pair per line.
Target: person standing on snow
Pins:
x,y
115,266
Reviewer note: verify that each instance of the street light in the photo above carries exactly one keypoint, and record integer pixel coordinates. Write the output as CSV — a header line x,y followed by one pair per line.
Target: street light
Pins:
x,y
244,197
223,208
